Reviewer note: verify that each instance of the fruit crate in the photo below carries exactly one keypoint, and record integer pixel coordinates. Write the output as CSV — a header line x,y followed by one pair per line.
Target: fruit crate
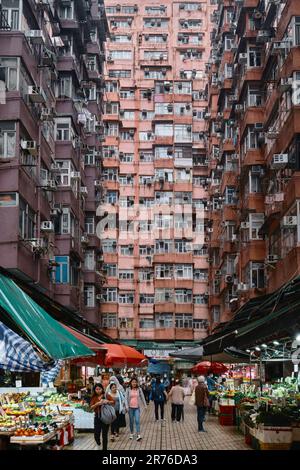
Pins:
x,y
226,420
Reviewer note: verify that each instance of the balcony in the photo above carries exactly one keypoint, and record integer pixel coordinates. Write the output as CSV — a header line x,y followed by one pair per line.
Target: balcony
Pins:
x,y
253,157
254,250
286,268
292,191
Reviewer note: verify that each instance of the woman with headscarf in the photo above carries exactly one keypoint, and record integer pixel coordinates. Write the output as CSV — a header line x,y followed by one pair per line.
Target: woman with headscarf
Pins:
x,y
121,391
115,380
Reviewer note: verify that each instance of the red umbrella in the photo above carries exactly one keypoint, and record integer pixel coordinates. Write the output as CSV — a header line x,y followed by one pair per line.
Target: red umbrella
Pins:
x,y
207,367
119,355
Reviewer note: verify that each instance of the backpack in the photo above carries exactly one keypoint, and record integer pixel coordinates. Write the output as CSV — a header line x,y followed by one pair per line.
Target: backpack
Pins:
x,y
108,414
157,393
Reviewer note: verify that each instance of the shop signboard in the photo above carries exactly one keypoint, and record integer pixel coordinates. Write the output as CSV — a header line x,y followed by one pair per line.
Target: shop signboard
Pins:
x,y
158,353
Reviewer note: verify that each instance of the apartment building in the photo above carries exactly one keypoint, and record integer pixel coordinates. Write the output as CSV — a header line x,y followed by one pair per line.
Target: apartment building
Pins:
x,y
51,70
254,167
155,166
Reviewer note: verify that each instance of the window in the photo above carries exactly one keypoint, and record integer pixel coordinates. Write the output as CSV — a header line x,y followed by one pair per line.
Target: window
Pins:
x,y
154,74
182,133
216,314
110,270
183,296
200,275
126,323
127,94
7,139
164,130
146,136
163,197
163,246
127,135
255,272
146,156
200,324
183,271
9,72
111,108
163,152
89,225
110,174
145,250
200,299
126,274
126,157
164,320
121,38
111,87
164,271
26,221
126,180
109,320
89,260
111,197
155,55
67,12
90,158
126,298
119,73
109,246
64,129
145,274
256,221
65,87
183,320
62,275
155,10
183,88
164,295
254,57
89,295
163,221
155,23
111,129
146,298
9,199
121,55
11,13
230,195
126,250
110,294
146,323
190,6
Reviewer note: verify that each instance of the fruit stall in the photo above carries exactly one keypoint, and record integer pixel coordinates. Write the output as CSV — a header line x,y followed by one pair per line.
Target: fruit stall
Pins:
x,y
32,420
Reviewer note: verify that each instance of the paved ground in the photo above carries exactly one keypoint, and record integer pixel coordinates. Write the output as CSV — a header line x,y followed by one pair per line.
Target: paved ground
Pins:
x,y
171,436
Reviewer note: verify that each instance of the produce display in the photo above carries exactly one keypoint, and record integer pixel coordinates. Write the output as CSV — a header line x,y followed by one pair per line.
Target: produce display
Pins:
x,y
34,419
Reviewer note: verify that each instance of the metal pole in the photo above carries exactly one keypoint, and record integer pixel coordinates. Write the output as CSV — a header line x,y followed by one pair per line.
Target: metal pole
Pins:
x,y
260,373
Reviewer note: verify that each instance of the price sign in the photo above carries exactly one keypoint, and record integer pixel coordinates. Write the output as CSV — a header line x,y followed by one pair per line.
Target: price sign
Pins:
x,y
18,383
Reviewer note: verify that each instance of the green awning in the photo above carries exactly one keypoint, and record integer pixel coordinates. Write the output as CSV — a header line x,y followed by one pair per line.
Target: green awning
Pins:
x,y
37,325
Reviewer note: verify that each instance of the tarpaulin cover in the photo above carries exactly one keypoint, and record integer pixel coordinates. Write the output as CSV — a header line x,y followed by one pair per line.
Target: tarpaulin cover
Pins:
x,y
158,369
35,322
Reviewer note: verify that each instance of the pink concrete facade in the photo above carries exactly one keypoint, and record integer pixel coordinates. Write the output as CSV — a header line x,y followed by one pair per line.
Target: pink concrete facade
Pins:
x,y
155,161
52,57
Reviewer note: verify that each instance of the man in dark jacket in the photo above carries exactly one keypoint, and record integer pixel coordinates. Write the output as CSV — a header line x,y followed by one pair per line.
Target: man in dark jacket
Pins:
x,y
201,401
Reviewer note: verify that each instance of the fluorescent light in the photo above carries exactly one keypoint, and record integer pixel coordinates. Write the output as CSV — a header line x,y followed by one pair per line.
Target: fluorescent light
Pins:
x,y
264,345
298,337
257,348
248,350
275,343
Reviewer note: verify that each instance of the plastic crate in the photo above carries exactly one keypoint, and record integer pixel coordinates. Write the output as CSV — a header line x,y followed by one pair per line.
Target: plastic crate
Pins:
x,y
226,420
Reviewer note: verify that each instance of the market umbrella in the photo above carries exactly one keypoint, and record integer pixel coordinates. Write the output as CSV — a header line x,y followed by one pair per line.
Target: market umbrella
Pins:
x,y
97,348
119,355
207,367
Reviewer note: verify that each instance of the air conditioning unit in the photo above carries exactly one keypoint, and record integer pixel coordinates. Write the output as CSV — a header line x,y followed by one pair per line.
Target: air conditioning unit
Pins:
x,y
272,259
234,238
245,225
36,36
218,273
229,279
243,58
281,45
30,146
50,184
279,160
209,230
97,183
36,94
84,191
75,175
258,126
37,245
290,221
239,108
99,297
47,114
286,84
84,238
272,133
47,226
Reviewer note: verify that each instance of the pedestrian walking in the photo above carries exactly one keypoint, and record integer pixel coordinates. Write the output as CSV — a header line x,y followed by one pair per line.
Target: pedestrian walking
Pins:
x,y
159,397
135,401
97,401
212,386
201,401
176,395
119,405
